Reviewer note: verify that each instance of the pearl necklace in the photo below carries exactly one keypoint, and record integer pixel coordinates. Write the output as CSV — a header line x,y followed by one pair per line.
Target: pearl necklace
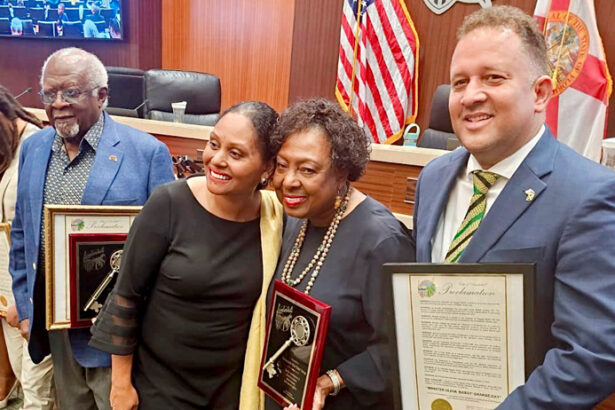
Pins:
x,y
321,252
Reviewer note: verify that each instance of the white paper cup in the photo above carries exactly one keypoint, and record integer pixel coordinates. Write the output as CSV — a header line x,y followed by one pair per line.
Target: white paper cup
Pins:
x,y
608,153
179,108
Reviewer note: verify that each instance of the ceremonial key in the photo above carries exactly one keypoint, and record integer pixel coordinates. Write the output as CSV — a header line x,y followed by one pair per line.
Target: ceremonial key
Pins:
x,y
299,336
116,258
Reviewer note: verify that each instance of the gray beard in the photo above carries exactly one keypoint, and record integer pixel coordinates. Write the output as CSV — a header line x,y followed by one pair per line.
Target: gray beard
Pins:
x,y
68,132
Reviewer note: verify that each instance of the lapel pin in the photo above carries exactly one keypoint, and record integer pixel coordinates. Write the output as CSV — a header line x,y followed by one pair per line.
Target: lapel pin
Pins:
x,y
529,195
113,158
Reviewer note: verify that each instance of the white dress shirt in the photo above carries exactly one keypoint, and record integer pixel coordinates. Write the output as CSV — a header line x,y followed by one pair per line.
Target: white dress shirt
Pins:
x,y
459,198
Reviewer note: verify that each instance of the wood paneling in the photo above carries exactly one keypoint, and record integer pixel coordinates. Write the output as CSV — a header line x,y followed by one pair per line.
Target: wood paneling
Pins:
x,y
387,183
315,49
246,43
22,59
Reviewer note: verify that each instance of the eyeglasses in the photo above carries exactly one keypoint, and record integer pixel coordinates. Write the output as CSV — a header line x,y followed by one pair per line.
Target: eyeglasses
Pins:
x,y
70,95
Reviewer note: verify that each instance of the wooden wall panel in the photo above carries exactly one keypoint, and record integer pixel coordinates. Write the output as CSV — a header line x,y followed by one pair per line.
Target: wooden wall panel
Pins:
x,y
22,59
244,42
315,49
387,183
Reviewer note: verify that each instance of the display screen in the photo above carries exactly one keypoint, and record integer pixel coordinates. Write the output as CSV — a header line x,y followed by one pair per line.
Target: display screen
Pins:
x,y
63,19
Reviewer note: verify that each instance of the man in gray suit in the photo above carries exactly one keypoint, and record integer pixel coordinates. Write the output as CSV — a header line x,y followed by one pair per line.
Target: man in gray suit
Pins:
x,y
513,193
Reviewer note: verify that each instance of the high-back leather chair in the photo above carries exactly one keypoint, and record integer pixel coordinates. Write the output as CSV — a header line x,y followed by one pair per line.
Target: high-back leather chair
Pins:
x,y
201,92
125,91
440,133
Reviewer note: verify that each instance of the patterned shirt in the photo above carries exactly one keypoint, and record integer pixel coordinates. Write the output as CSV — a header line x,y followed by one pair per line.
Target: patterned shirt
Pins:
x,y
66,179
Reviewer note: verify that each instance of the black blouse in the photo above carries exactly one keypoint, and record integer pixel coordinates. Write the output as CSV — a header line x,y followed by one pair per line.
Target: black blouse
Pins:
x,y
183,302
351,282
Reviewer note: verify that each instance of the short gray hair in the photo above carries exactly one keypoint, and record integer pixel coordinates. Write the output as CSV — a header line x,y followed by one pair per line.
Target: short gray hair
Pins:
x,y
94,68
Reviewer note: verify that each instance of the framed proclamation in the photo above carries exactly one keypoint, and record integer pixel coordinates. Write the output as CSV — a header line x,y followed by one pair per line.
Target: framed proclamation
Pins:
x,y
460,333
6,292
83,247
296,331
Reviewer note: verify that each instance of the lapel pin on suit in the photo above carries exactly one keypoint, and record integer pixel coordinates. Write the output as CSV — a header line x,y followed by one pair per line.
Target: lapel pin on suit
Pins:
x,y
529,195
113,158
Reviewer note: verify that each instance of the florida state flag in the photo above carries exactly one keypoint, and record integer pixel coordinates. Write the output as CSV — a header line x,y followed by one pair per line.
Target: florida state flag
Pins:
x,y
582,84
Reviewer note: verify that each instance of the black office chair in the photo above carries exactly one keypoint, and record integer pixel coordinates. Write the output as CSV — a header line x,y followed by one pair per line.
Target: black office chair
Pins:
x,y
5,26
28,27
201,92
440,133
72,13
72,29
47,28
20,12
108,14
125,91
52,15
37,14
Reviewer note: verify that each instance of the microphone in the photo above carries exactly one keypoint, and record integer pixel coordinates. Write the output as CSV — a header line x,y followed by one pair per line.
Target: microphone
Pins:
x,y
26,91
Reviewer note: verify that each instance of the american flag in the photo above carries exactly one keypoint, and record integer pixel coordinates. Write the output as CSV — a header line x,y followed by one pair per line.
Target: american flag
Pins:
x,y
377,71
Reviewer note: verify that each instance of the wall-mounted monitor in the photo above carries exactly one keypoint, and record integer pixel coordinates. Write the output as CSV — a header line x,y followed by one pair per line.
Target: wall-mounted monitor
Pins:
x,y
62,19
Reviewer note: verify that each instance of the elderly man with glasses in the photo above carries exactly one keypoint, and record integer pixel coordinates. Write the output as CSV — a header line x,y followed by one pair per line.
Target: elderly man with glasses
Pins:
x,y
84,158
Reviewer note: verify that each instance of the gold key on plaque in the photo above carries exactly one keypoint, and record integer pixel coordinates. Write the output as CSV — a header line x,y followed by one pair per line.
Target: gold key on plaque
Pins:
x,y
116,258
299,336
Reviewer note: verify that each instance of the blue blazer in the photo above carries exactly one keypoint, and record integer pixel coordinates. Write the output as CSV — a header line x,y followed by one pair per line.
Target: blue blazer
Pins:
x,y
128,165
568,230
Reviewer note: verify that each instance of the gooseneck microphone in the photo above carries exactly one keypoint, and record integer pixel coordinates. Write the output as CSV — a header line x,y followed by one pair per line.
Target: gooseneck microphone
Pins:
x,y
26,91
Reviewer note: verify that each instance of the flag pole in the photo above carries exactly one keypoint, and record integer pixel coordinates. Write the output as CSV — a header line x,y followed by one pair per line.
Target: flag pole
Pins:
x,y
354,56
544,27
559,51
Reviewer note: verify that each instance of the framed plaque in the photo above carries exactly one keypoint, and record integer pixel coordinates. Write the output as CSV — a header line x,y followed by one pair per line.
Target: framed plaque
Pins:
x,y
6,292
296,331
458,333
94,261
70,229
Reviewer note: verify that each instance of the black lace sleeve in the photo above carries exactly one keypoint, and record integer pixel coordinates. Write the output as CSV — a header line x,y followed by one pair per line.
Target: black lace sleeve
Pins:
x,y
116,327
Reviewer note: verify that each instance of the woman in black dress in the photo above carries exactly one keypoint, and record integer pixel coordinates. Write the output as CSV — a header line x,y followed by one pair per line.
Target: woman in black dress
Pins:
x,y
335,242
198,259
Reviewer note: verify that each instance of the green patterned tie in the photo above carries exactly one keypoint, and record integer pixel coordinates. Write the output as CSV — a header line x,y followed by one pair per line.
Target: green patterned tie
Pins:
x,y
483,180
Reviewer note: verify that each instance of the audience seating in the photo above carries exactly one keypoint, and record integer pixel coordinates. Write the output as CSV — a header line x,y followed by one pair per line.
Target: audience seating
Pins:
x,y
28,28
125,91
72,13
5,26
47,28
201,92
72,29
108,14
52,15
20,12
440,133
101,25
37,13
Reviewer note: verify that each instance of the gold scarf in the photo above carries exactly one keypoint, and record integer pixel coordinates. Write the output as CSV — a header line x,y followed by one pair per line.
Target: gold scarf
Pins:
x,y
251,397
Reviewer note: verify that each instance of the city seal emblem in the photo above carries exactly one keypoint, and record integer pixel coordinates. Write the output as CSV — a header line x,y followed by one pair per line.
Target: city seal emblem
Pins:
x,y
441,404
440,6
